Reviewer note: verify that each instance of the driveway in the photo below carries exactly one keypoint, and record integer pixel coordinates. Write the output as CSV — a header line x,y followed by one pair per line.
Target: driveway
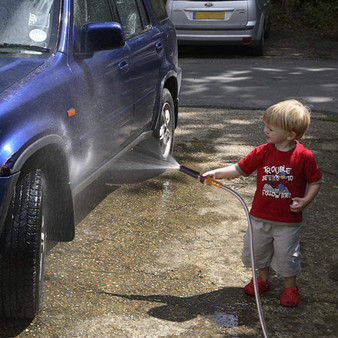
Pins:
x,y
257,83
301,65
161,257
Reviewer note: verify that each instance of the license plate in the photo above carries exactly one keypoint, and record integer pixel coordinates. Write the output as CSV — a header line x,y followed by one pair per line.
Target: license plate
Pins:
x,y
209,15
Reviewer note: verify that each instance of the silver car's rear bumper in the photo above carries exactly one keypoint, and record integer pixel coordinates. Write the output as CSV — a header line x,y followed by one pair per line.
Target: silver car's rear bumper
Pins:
x,y
238,37
230,36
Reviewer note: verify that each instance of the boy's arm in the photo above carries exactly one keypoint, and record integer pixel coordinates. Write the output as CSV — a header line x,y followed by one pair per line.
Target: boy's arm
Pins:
x,y
300,203
226,172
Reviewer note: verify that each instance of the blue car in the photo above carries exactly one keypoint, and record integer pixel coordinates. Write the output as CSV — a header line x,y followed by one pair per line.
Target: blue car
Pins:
x,y
81,83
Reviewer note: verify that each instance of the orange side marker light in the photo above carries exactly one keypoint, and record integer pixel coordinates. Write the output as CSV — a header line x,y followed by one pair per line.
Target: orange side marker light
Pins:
x,y
71,112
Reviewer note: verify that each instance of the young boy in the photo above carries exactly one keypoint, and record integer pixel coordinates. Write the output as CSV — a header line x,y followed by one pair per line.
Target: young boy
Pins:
x,y
288,179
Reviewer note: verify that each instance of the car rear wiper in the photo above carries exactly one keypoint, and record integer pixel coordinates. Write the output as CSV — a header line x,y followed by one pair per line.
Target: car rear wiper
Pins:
x,y
25,47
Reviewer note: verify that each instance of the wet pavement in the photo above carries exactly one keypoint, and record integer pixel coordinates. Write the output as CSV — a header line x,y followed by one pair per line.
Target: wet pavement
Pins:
x,y
160,256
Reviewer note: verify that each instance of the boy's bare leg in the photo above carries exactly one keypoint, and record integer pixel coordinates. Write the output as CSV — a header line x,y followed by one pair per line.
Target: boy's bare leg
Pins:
x,y
263,274
290,282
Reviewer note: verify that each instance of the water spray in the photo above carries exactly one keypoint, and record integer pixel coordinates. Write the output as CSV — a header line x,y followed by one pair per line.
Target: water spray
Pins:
x,y
219,185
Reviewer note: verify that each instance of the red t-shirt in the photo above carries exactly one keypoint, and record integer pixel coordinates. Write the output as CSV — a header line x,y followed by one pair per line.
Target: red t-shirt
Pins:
x,y
281,176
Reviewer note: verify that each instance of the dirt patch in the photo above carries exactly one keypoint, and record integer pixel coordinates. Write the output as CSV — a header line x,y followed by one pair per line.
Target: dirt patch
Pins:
x,y
301,44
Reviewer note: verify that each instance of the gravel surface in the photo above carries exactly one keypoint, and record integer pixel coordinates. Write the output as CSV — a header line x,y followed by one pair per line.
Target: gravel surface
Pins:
x,y
161,257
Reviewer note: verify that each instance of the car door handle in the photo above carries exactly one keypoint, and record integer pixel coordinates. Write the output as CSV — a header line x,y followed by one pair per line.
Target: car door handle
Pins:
x,y
159,47
124,65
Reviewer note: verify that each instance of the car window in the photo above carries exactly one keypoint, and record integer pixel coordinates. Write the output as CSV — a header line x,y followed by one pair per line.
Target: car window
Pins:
x,y
86,11
159,9
133,17
30,23
143,13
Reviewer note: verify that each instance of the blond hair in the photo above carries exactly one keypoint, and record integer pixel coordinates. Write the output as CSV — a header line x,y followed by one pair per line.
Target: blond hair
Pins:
x,y
288,115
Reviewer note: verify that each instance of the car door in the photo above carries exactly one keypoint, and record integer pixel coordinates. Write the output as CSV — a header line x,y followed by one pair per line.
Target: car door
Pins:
x,y
147,55
104,91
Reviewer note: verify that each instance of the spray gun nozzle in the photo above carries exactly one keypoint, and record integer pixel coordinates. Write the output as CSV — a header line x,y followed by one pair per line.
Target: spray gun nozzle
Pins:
x,y
190,172
199,177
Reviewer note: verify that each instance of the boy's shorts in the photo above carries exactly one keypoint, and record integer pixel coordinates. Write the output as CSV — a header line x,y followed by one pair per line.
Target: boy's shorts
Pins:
x,y
277,246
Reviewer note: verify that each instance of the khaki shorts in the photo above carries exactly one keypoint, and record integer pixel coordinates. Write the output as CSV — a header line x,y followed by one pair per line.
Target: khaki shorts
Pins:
x,y
276,246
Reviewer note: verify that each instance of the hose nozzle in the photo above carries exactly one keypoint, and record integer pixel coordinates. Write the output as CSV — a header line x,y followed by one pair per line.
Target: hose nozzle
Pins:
x,y
199,177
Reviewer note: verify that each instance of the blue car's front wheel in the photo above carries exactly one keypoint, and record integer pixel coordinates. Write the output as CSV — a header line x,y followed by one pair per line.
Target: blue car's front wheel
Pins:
x,y
23,249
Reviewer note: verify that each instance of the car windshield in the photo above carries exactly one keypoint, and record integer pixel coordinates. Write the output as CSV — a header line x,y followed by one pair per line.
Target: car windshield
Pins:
x,y
28,26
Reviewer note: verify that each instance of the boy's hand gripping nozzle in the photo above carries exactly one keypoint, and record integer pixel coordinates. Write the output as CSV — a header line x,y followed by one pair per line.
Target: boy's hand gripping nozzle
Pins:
x,y
198,176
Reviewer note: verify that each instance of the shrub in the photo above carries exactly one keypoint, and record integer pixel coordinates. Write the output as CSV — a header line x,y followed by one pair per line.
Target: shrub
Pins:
x,y
313,14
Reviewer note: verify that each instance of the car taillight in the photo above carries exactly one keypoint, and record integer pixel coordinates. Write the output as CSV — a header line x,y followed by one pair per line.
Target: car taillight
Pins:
x,y
247,40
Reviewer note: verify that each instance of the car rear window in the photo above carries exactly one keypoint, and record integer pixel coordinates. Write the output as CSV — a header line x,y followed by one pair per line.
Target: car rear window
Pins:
x,y
133,17
159,9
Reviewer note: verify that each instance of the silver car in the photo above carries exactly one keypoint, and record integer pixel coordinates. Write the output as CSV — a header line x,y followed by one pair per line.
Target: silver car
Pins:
x,y
232,22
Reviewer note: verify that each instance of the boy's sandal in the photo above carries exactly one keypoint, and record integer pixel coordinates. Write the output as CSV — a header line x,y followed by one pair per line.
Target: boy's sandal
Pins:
x,y
262,287
290,297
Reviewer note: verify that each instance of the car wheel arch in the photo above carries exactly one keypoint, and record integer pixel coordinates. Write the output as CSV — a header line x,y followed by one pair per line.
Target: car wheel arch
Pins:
x,y
49,154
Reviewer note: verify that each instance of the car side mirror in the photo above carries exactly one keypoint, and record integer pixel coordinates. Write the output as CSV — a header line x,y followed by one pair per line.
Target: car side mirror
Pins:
x,y
98,36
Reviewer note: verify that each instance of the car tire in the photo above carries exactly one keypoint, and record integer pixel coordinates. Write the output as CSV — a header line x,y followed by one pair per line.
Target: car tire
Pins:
x,y
165,129
23,249
267,29
259,49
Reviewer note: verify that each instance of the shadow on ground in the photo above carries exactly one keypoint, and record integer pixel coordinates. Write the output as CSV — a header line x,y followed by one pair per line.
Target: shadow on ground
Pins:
x,y
227,307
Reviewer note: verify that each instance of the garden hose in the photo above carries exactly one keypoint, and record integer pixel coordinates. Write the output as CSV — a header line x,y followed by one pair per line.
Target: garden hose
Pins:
x,y
219,185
